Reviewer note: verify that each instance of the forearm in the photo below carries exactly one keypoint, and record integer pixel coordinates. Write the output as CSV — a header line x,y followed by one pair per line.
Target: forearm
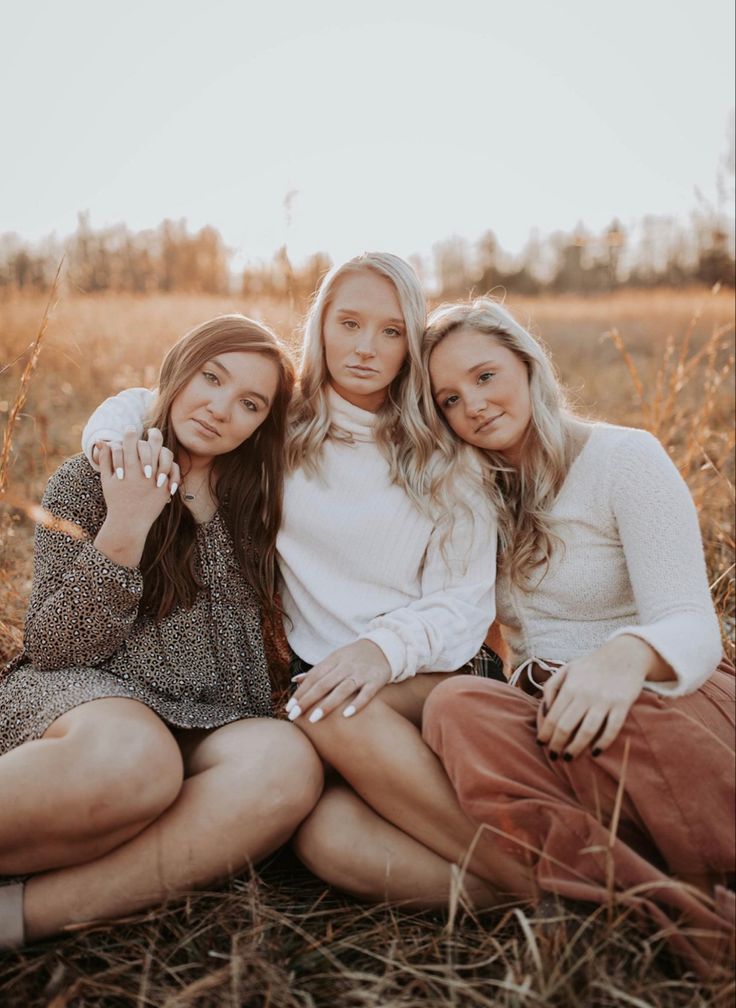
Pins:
x,y
84,616
635,654
122,542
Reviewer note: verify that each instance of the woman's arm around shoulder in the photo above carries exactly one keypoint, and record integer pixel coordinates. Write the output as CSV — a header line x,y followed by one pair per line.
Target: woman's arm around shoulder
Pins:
x,y
112,418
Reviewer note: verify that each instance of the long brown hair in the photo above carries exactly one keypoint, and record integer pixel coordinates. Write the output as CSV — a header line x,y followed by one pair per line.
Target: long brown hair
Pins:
x,y
248,480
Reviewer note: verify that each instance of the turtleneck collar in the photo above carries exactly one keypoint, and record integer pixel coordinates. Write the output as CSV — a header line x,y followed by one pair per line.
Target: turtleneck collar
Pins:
x,y
357,422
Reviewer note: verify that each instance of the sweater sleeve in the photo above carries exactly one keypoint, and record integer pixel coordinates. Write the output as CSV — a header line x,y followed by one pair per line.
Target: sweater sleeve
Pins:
x,y
659,531
444,628
82,605
108,422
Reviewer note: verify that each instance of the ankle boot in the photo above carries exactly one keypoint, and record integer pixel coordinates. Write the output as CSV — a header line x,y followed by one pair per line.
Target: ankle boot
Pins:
x,y
11,915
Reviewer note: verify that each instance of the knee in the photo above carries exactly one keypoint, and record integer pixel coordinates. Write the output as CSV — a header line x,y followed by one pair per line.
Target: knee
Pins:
x,y
448,707
284,763
320,842
134,772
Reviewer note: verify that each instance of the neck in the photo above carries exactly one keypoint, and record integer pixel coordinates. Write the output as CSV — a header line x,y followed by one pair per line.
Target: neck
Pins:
x,y
371,403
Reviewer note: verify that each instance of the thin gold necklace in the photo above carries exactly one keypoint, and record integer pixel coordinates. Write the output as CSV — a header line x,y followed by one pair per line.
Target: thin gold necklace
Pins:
x,y
188,495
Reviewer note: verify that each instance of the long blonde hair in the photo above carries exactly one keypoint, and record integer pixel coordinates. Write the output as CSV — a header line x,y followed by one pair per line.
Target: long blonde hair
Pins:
x,y
522,497
401,433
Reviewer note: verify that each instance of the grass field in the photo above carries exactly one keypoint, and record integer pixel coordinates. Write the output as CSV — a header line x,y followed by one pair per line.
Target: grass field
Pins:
x,y
662,360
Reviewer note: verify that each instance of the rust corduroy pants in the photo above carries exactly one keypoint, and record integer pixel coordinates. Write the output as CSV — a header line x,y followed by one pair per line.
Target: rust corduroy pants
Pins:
x,y
676,760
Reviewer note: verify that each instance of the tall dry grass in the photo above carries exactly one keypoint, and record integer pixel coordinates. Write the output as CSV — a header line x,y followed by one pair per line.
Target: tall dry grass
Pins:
x,y
280,938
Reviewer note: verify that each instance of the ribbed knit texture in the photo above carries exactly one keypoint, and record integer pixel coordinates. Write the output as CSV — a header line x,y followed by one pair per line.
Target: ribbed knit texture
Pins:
x,y
632,563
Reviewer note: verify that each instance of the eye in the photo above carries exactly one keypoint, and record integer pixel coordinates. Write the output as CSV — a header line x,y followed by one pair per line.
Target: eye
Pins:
x,y
393,331
485,377
449,401
249,405
350,324
210,377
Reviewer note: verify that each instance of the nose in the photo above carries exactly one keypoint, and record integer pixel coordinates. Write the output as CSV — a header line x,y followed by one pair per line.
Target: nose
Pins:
x,y
217,406
475,403
364,344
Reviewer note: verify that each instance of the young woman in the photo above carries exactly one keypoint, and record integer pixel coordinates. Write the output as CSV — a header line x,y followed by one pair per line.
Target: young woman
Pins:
x,y
386,571
138,755
614,764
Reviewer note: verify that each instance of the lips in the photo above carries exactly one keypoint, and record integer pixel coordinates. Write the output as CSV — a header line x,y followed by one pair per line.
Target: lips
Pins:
x,y
360,369
206,428
488,423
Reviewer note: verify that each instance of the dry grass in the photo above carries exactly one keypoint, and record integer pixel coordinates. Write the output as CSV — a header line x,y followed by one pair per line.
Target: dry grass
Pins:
x,y
663,360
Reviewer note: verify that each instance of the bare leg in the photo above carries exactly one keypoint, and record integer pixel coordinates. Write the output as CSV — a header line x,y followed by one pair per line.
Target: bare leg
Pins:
x,y
86,786
347,844
381,754
250,785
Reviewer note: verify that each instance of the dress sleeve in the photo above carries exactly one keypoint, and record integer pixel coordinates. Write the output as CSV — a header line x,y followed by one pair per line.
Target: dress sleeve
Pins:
x,y
82,605
444,628
108,422
659,531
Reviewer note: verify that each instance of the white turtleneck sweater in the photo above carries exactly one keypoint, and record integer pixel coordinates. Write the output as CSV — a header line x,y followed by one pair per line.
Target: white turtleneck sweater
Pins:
x,y
358,559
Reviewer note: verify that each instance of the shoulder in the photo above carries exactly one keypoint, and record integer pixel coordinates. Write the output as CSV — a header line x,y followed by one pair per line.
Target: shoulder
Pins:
x,y
611,447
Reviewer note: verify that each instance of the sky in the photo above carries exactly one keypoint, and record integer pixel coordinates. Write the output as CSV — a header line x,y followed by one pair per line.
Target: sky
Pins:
x,y
340,126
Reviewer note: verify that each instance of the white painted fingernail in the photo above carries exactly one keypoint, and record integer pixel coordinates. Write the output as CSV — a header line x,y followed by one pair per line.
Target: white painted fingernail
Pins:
x,y
160,480
316,715
174,488
147,472
294,712
298,677
290,704
120,473
349,711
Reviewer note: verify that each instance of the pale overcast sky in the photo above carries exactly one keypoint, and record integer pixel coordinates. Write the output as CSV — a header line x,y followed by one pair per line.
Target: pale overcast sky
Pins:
x,y
391,123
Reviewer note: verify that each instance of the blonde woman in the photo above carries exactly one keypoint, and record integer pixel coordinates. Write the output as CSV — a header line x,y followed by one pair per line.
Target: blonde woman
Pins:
x,y
387,573
603,592
138,754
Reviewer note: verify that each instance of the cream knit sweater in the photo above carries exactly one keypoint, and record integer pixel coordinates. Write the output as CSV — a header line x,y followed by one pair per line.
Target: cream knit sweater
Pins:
x,y
359,560
632,563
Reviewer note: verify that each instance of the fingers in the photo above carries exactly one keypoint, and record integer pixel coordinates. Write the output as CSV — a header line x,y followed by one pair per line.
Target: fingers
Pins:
x,y
145,457
164,466
588,730
614,724
104,459
118,463
174,479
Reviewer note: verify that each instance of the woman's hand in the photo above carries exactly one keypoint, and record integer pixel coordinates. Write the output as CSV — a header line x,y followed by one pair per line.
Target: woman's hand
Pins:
x,y
355,672
587,701
156,461
134,501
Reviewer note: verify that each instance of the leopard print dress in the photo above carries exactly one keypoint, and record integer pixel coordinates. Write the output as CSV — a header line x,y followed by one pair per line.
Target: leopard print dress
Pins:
x,y
86,638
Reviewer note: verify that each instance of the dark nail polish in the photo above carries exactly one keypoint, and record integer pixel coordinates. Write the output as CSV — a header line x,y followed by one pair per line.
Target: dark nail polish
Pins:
x,y
597,752
553,756
567,757
539,741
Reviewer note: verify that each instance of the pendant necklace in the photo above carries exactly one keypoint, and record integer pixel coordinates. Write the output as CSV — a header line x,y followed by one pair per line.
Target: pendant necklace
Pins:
x,y
188,495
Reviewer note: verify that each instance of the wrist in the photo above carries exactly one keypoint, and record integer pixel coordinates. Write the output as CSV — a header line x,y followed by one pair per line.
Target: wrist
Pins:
x,y
639,658
122,543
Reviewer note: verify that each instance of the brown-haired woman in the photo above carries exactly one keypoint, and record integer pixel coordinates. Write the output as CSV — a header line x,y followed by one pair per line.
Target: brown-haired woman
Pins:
x,y
139,758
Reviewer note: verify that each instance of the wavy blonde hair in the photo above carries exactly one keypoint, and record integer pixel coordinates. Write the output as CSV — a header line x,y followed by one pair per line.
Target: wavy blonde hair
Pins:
x,y
522,497
401,433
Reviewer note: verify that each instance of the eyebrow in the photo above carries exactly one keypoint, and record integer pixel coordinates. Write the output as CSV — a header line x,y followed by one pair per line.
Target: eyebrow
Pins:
x,y
255,395
355,311
471,369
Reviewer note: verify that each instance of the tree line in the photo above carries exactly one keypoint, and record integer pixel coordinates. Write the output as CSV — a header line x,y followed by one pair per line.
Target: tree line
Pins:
x,y
657,251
